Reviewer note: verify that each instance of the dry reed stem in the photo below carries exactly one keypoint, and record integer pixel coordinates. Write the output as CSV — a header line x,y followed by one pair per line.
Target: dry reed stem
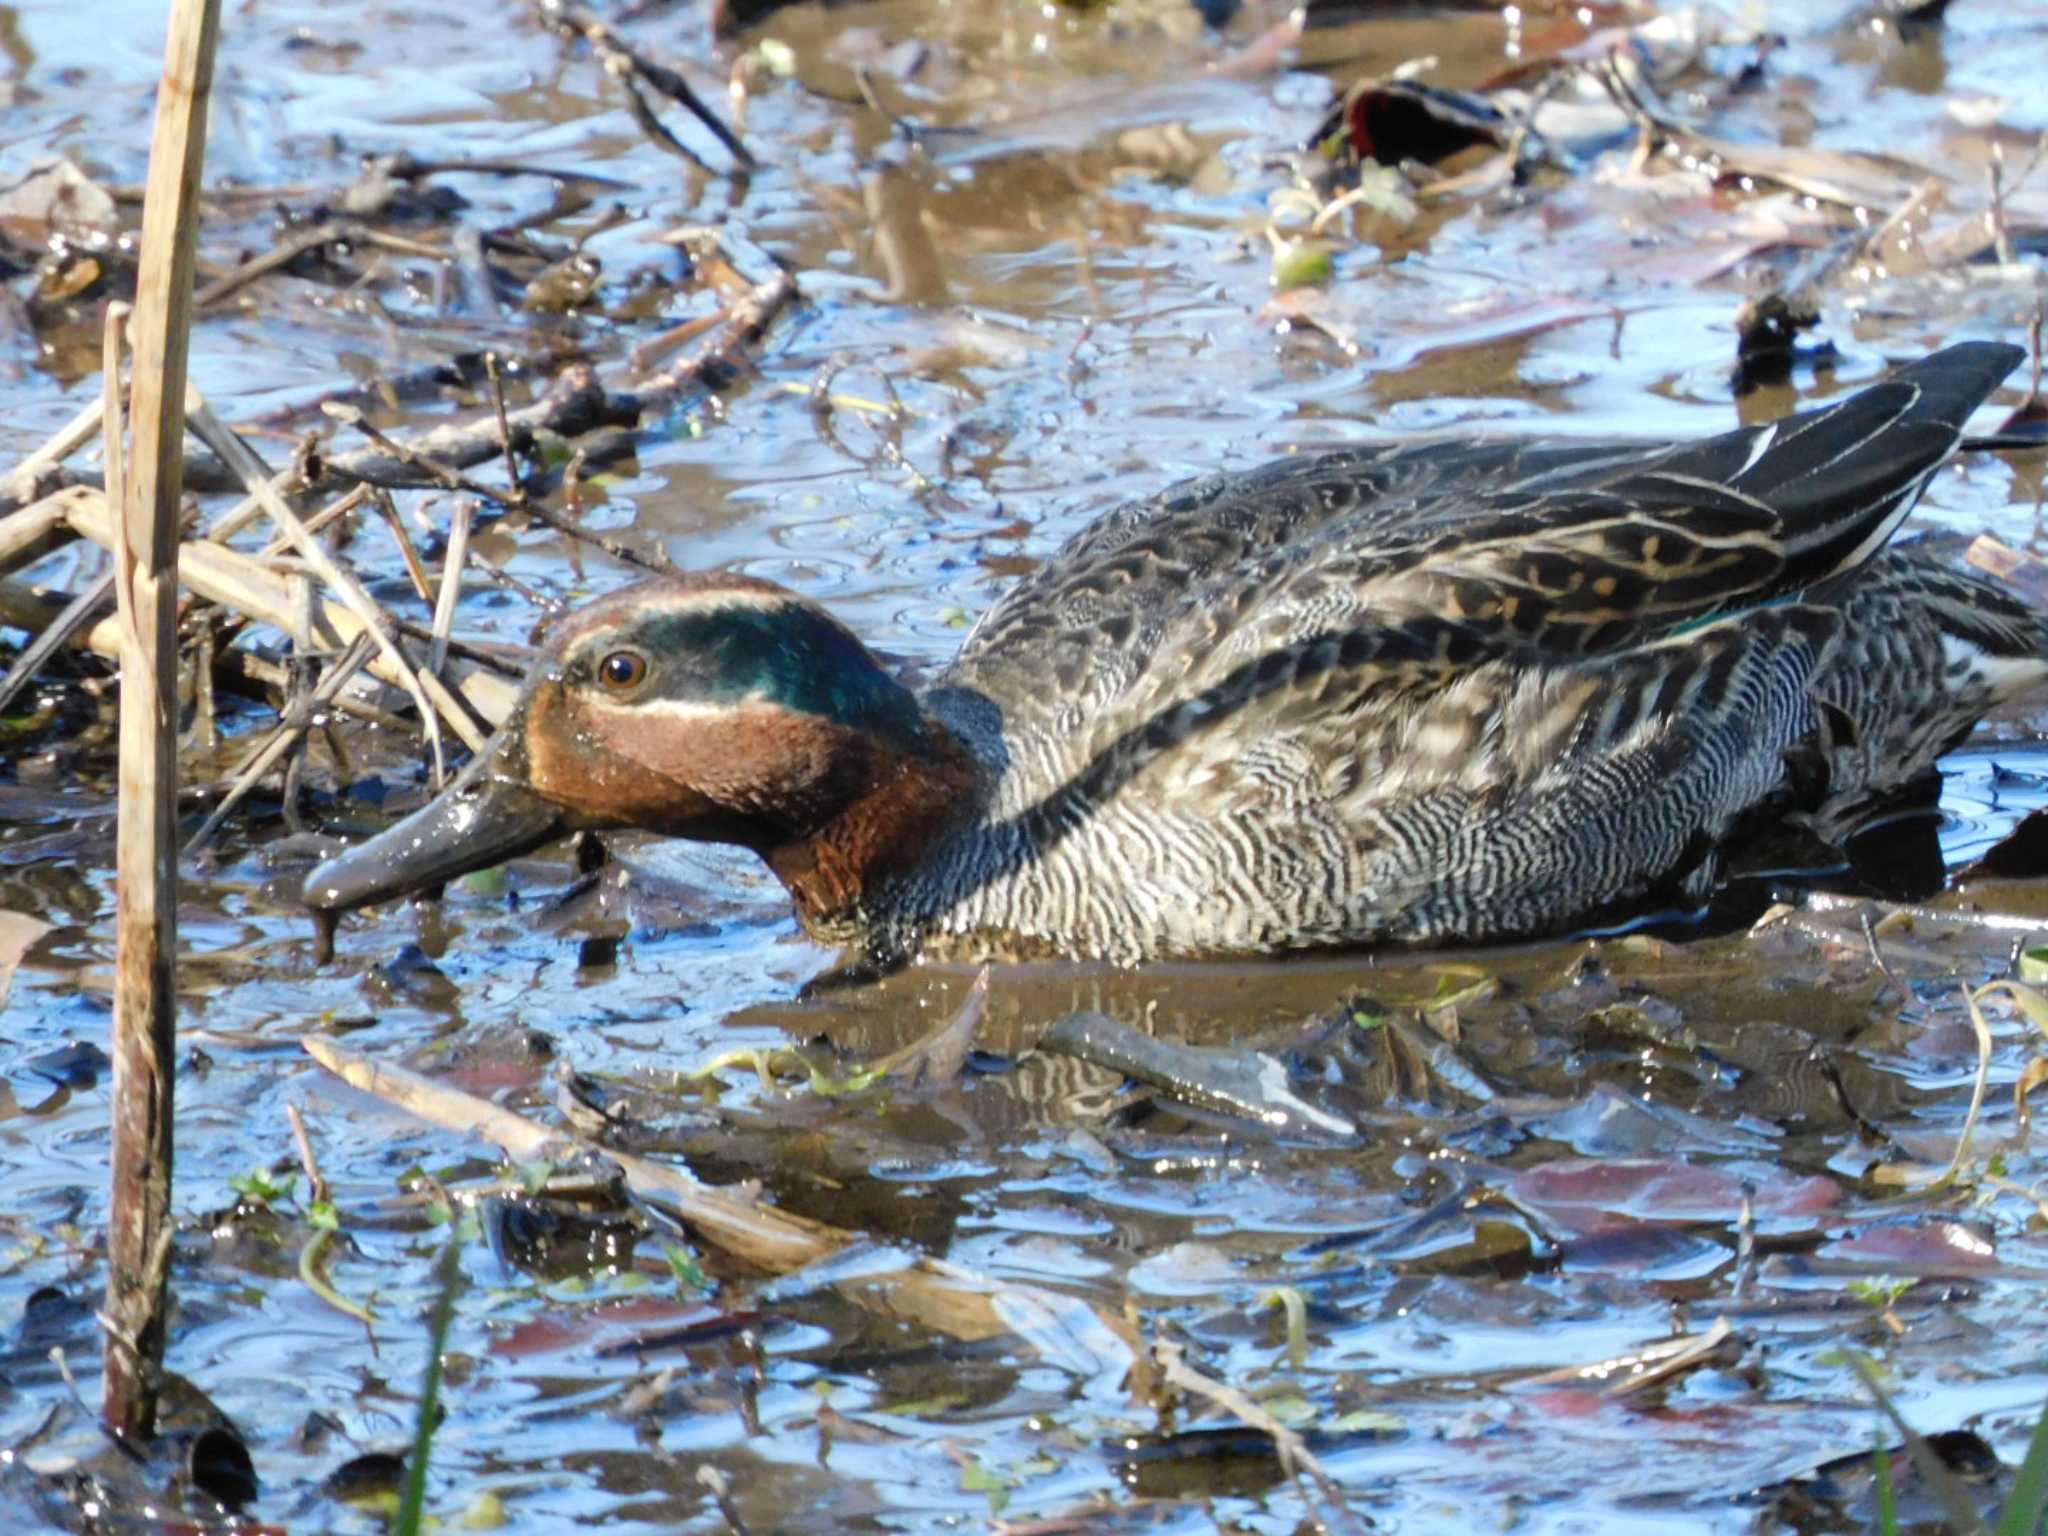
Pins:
x,y
256,590
31,532
146,559
244,462
81,429
451,583
415,568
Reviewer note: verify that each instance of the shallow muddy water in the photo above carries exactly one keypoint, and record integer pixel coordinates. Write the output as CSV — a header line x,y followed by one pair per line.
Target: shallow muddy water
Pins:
x,y
1036,274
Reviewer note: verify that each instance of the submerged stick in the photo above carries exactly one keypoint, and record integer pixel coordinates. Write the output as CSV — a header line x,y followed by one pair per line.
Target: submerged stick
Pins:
x,y
928,1292
146,581
281,255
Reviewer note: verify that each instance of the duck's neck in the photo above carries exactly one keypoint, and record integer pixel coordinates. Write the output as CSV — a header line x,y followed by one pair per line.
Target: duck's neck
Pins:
x,y
904,800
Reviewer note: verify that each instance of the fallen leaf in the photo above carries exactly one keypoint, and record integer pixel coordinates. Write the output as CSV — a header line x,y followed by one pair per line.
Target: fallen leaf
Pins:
x,y
1917,1248
1586,1194
17,933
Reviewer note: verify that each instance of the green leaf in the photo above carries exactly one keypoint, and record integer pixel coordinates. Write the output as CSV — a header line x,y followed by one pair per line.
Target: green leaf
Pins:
x,y
684,1266
976,1478
412,1508
2029,1497
1887,1491
1302,264
260,1186
494,881
1880,1291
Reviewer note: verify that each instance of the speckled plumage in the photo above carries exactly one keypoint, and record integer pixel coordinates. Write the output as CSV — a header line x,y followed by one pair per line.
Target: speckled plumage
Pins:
x,y
1421,693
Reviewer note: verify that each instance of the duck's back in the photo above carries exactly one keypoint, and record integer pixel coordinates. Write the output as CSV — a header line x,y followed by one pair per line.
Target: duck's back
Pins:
x,y
1461,690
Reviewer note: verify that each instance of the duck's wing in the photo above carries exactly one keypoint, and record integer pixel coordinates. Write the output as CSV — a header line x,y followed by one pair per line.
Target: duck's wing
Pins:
x,y
1443,554
1597,556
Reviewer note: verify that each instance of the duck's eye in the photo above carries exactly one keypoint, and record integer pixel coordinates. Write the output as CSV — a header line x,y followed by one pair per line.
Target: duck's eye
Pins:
x,y
622,671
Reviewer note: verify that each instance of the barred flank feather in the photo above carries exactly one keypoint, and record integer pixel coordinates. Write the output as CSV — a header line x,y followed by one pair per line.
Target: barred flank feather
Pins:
x,y
1461,690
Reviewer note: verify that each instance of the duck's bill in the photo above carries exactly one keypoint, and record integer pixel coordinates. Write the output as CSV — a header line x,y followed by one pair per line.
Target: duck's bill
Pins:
x,y
485,817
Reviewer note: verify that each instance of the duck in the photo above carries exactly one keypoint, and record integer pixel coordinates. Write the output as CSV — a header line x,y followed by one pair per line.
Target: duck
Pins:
x,y
1424,693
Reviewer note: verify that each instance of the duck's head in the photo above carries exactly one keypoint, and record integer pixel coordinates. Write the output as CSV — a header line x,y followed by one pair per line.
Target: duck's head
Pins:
x,y
713,707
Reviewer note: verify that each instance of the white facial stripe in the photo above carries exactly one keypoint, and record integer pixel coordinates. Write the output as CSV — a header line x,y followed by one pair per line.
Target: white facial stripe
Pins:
x,y
671,709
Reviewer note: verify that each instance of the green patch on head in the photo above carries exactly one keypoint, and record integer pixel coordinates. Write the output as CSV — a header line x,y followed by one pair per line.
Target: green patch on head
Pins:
x,y
788,654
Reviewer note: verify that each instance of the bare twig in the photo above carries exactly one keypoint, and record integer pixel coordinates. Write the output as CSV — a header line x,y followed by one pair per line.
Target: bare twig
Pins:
x,y
2001,235
408,552
749,318
24,479
283,255
297,721
454,481
316,1186
652,350
1745,1243
448,477
626,61
1295,1456
1869,920
642,111
37,653
518,491
577,402
341,506
1625,1375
